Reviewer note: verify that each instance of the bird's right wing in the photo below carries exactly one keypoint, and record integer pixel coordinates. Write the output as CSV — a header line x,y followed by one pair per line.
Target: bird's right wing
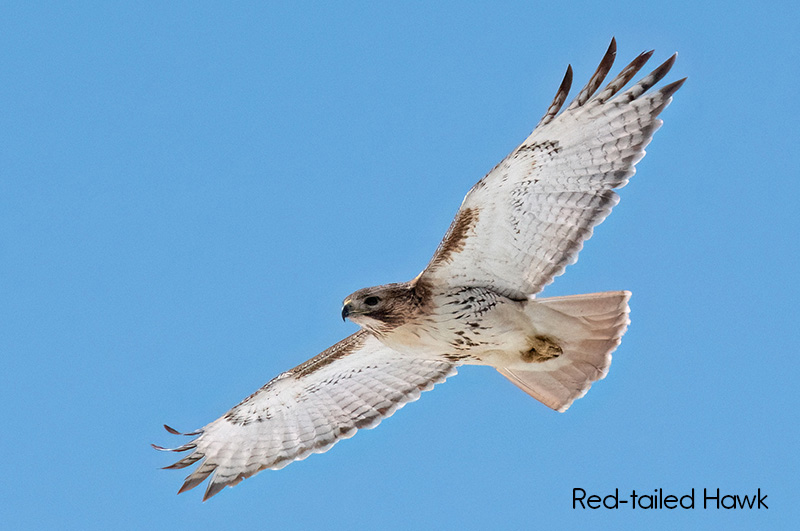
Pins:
x,y
352,385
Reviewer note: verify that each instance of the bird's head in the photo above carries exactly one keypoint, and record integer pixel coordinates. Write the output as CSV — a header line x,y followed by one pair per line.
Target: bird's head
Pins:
x,y
381,308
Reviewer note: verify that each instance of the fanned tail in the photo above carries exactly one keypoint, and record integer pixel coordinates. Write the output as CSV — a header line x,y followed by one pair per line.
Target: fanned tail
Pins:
x,y
578,333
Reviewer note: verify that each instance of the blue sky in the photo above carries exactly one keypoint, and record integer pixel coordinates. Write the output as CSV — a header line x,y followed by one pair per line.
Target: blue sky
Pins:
x,y
187,192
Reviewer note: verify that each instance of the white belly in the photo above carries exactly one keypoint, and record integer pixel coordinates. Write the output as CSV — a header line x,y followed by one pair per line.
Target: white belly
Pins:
x,y
473,326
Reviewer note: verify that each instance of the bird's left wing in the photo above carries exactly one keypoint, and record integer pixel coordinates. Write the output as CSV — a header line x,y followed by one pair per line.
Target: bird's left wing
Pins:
x,y
353,385
527,219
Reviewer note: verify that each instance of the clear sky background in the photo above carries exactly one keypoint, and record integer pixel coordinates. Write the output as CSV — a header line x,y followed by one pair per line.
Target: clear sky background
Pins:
x,y
188,192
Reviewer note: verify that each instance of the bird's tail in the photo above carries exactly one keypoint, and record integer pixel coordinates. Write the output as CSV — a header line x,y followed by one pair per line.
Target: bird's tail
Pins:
x,y
572,346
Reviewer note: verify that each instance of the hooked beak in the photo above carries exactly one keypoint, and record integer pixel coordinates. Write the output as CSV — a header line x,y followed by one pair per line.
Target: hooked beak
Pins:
x,y
346,309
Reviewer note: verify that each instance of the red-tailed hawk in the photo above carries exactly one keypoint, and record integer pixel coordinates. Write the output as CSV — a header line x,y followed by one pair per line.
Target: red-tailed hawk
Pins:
x,y
474,303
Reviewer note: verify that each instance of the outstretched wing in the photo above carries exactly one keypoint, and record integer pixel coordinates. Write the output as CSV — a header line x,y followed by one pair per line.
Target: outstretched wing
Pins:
x,y
527,219
352,385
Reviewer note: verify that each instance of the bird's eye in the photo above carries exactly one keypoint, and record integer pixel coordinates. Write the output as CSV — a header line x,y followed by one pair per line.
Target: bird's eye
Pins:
x,y
372,301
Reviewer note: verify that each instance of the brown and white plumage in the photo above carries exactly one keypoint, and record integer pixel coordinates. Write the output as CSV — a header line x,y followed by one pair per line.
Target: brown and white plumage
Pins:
x,y
528,218
474,303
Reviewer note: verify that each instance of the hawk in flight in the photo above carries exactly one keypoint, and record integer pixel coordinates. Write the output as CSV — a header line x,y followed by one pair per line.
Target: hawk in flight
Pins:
x,y
474,303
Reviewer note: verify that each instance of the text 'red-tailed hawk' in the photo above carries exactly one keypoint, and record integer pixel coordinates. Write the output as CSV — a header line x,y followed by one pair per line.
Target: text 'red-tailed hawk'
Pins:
x,y
474,303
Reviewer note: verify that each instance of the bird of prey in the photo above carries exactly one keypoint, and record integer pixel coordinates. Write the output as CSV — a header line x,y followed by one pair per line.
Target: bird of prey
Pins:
x,y
474,303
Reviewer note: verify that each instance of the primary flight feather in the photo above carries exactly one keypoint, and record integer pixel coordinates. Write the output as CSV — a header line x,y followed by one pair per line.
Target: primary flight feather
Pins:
x,y
517,229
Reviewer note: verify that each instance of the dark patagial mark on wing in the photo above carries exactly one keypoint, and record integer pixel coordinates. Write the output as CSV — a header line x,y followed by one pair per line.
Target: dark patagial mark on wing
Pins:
x,y
558,101
240,416
597,78
328,356
456,236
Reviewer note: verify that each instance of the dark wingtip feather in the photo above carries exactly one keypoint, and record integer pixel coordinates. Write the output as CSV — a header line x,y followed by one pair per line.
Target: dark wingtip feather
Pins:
x,y
183,448
190,483
173,431
624,76
212,489
642,58
559,99
197,477
186,461
673,87
597,78
566,83
651,79
612,48
664,67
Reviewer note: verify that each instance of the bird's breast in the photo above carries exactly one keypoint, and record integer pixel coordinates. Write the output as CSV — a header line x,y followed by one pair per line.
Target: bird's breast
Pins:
x,y
461,325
